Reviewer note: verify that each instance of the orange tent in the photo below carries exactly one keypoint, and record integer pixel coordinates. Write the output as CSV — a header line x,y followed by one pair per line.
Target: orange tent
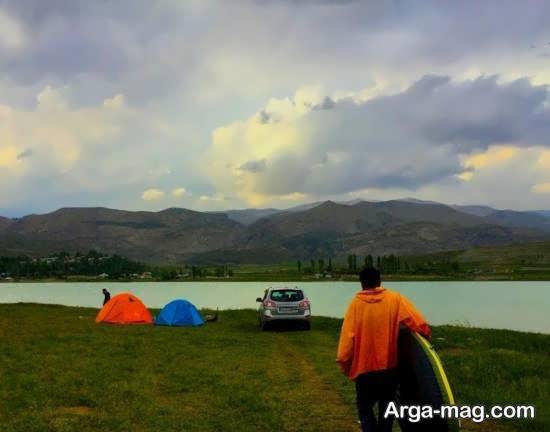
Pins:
x,y
124,308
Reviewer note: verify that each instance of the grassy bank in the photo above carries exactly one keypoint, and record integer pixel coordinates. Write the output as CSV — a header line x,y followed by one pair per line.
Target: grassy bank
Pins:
x,y
61,372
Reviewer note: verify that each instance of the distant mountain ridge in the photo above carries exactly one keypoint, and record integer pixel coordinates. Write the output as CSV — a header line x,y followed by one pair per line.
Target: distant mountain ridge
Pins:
x,y
507,217
266,235
545,213
378,228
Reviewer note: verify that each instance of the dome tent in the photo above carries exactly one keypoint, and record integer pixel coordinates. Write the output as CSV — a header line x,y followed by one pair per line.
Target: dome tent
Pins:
x,y
124,308
179,313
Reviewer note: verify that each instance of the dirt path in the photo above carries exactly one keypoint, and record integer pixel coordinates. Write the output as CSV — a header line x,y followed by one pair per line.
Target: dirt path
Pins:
x,y
331,410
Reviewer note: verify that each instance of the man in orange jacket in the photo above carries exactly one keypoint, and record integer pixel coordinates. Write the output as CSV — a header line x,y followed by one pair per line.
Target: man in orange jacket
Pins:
x,y
367,351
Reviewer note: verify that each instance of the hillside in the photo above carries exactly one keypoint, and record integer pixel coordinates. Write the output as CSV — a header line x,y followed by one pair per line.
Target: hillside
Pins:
x,y
168,235
361,217
326,229
519,219
531,256
378,228
249,216
4,223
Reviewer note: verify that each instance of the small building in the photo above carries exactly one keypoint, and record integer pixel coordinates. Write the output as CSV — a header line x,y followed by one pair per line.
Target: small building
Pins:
x,y
48,260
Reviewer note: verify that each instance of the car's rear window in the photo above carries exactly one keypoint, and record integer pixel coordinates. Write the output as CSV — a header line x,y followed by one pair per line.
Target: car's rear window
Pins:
x,y
287,295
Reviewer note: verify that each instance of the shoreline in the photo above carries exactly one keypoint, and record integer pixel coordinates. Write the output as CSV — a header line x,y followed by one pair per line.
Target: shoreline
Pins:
x,y
274,277
387,278
155,310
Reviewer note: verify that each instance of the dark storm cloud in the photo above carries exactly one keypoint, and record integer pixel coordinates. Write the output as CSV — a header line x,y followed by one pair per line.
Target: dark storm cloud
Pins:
x,y
117,43
25,154
65,39
254,166
327,103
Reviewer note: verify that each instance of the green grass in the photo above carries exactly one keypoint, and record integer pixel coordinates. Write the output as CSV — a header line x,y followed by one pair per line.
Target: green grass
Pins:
x,y
61,372
525,261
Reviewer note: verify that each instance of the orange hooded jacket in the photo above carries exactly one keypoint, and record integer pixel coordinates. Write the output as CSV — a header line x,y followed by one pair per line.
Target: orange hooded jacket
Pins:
x,y
368,341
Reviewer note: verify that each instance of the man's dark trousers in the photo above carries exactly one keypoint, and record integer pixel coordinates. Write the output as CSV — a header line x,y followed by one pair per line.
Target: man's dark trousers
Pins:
x,y
373,387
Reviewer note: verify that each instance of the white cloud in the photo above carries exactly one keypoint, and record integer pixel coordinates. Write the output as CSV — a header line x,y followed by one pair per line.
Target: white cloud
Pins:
x,y
8,156
54,154
542,188
116,102
51,99
152,194
60,137
210,198
214,197
494,155
179,192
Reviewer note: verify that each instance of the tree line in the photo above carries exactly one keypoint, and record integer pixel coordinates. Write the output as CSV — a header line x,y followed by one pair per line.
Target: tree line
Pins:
x,y
64,264
387,264
94,264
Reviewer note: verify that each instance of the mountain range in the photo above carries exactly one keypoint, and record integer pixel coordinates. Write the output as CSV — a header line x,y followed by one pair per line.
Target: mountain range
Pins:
x,y
315,230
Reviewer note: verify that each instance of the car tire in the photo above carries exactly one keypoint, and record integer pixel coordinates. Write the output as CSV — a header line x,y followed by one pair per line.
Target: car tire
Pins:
x,y
307,325
264,326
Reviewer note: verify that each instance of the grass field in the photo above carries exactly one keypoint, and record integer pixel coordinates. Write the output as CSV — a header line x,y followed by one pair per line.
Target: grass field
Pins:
x,y
61,372
527,261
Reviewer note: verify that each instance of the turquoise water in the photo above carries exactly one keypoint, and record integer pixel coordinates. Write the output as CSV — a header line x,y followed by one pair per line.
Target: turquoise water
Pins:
x,y
521,306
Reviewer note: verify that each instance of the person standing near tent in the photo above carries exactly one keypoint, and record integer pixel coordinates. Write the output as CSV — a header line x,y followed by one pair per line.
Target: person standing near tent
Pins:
x,y
106,295
367,350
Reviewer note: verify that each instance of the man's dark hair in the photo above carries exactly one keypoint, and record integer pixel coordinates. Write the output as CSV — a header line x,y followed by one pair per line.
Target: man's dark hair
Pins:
x,y
370,277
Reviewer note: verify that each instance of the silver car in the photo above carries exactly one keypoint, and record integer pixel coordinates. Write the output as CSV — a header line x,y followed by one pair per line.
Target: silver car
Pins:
x,y
284,304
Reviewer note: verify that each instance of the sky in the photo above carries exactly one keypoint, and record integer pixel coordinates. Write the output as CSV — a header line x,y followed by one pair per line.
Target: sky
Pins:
x,y
214,105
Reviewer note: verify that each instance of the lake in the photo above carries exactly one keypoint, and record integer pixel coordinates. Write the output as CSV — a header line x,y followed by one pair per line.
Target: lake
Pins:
x,y
523,306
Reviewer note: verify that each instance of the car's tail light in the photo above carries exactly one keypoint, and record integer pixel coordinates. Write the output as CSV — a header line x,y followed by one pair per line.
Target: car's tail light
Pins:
x,y
304,304
270,304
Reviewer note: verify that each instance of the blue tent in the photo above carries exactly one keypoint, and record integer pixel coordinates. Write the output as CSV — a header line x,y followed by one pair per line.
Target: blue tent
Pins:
x,y
179,313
